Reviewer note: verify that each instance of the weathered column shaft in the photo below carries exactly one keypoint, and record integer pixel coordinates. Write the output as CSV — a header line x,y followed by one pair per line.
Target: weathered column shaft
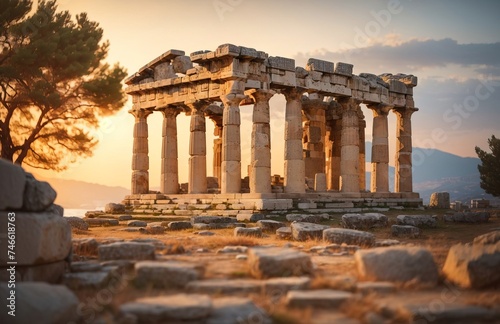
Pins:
x,y
140,158
231,149
380,149
169,182
197,149
260,163
403,163
362,155
217,158
314,139
294,163
334,179
349,159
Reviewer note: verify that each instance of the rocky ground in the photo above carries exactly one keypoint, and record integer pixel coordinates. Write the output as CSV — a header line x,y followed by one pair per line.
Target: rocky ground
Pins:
x,y
295,268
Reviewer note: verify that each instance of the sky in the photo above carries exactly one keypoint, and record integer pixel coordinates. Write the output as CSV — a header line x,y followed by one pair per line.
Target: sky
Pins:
x,y
452,46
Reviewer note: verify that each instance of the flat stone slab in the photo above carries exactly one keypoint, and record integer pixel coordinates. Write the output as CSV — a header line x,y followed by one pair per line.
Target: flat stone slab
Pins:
x,y
127,251
237,310
278,262
348,236
468,217
85,266
136,223
39,302
323,298
253,218
152,229
85,246
166,309
405,231
101,221
87,280
277,287
307,231
233,249
397,264
269,225
417,220
380,287
304,218
77,222
225,286
252,231
213,226
473,266
364,221
166,274
179,225
212,219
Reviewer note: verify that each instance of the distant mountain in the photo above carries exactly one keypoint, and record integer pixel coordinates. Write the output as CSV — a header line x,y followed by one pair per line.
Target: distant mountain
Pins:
x,y
83,195
435,170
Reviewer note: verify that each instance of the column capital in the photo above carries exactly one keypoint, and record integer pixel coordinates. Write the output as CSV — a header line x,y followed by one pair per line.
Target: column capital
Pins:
x,y
405,112
349,104
379,109
232,99
169,111
292,93
309,104
259,95
198,106
140,113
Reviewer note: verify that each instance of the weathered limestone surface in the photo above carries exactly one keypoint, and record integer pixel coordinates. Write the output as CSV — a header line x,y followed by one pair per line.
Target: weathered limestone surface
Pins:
x,y
11,186
166,274
405,230
397,264
38,302
197,149
269,225
225,286
169,182
140,158
348,236
380,149
364,221
302,231
322,298
126,251
252,231
417,220
278,262
440,200
404,177
468,217
349,158
473,266
237,310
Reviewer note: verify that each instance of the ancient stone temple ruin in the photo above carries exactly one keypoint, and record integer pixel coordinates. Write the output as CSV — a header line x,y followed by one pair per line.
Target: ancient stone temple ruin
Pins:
x,y
324,131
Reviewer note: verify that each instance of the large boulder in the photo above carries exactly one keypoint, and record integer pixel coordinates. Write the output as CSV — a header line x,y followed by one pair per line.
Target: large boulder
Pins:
x,y
440,200
417,220
41,238
38,195
405,230
307,231
348,236
397,264
473,266
113,208
270,226
278,262
77,223
11,186
364,221
37,302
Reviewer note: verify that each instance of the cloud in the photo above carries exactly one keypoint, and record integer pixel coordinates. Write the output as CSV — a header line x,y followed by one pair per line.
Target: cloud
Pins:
x,y
392,54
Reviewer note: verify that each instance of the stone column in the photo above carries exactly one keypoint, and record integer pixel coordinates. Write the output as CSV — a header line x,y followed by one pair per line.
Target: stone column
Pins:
x,y
380,149
140,158
349,159
362,154
403,179
197,149
260,163
314,137
294,163
336,155
231,149
169,183
217,158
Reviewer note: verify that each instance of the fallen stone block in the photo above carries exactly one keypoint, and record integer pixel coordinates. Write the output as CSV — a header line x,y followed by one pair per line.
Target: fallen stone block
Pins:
x,y
307,231
85,246
253,218
304,218
233,249
252,231
77,223
284,233
101,221
87,280
397,264
212,219
38,195
468,217
166,274
278,262
348,236
168,309
364,221
473,266
278,287
270,226
405,230
127,251
417,220
113,208
322,298
440,200
179,225
152,229
225,286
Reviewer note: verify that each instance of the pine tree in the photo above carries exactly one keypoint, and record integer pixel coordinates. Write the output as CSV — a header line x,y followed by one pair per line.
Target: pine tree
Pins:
x,y
55,86
490,167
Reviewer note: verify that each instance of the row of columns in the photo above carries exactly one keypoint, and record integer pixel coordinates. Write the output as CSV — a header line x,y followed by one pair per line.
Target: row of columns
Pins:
x,y
345,166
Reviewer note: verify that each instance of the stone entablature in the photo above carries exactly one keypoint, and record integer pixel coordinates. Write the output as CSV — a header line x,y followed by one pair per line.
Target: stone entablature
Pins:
x,y
323,130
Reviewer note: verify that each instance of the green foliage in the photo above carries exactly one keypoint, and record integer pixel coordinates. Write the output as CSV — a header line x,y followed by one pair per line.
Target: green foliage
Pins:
x,y
54,84
490,167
